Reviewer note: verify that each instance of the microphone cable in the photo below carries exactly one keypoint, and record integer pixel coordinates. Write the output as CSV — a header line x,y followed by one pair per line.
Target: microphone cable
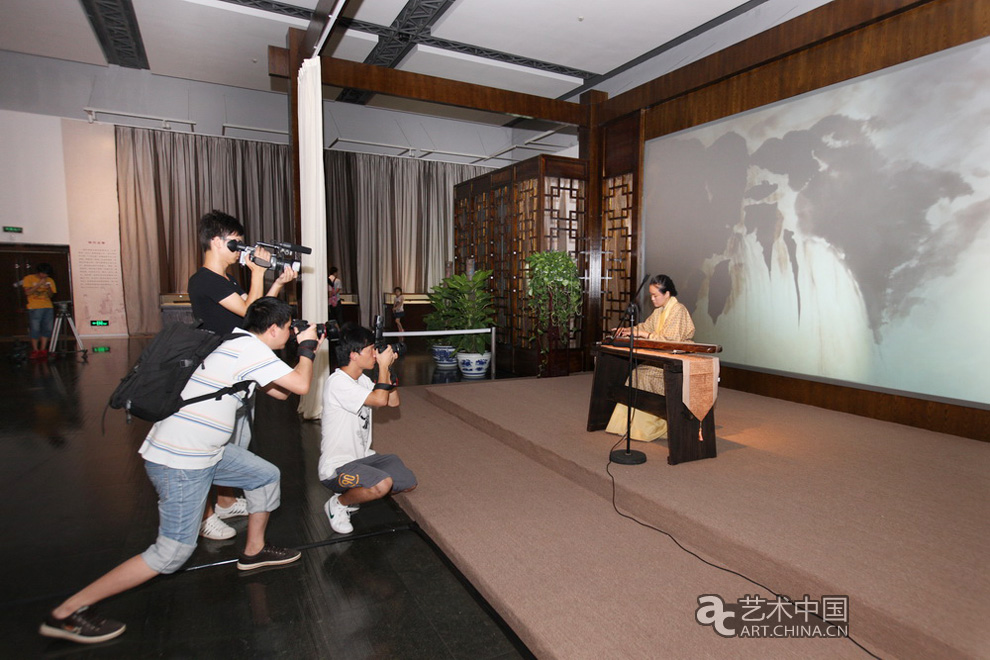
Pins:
x,y
608,469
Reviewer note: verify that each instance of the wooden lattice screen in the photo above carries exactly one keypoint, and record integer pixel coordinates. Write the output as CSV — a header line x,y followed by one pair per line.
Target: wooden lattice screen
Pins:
x,y
503,217
617,247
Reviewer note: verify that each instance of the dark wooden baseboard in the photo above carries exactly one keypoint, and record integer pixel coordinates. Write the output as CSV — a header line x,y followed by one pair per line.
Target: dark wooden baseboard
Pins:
x,y
922,413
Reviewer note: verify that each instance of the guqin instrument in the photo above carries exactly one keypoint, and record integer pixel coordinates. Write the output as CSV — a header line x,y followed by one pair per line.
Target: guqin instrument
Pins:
x,y
654,345
690,377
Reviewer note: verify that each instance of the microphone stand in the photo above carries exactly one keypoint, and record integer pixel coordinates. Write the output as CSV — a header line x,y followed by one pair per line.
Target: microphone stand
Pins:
x,y
629,456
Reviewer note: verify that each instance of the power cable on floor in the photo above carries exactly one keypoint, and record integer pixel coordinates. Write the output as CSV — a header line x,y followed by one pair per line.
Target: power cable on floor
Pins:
x,y
608,467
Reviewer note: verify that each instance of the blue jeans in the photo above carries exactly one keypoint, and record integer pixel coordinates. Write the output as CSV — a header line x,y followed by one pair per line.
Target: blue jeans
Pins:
x,y
40,322
182,497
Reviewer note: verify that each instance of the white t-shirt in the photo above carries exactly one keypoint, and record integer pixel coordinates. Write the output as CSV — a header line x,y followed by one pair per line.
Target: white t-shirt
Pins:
x,y
346,422
193,438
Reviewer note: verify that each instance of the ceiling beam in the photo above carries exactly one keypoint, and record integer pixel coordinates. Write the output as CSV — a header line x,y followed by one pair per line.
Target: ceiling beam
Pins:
x,y
420,87
116,28
322,15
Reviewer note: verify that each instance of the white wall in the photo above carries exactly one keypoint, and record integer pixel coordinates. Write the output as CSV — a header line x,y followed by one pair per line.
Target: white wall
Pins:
x,y
58,180
94,227
32,179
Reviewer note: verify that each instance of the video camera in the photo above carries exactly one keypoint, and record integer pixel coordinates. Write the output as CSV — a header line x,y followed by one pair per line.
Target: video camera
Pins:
x,y
399,347
283,254
330,329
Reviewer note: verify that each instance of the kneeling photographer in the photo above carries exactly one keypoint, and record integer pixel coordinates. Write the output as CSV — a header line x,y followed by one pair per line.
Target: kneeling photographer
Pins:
x,y
349,466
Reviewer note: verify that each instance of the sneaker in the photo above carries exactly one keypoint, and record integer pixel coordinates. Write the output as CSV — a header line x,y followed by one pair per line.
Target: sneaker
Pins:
x,y
338,515
235,510
270,555
216,529
83,626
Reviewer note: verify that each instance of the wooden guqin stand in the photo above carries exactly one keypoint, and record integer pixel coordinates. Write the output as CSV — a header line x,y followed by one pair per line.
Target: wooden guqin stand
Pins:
x,y
688,384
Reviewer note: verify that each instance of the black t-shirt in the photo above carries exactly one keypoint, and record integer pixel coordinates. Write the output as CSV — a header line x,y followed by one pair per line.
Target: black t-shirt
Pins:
x,y
206,290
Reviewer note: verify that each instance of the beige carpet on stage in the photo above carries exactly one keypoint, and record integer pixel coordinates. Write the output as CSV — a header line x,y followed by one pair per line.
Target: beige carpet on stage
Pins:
x,y
802,500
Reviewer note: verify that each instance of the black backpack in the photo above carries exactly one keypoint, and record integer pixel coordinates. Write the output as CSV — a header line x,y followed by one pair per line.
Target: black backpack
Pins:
x,y
152,389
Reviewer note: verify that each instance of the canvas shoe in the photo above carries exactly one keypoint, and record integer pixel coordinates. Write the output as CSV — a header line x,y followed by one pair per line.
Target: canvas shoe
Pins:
x,y
238,508
270,555
83,626
338,515
216,529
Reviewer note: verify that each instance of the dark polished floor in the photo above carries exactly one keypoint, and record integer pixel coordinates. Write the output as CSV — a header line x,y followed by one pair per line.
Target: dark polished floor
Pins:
x,y
76,502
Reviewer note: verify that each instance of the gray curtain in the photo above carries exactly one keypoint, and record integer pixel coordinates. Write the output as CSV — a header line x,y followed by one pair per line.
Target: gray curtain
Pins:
x,y
390,222
165,182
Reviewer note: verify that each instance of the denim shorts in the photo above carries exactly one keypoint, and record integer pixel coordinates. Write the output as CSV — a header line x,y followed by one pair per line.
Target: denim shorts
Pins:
x,y
182,497
370,471
40,322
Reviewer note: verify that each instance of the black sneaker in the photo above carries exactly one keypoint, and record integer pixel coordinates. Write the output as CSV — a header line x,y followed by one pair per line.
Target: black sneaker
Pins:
x,y
270,555
83,626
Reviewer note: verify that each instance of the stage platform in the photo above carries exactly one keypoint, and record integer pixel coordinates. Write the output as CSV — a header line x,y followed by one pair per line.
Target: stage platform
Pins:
x,y
802,500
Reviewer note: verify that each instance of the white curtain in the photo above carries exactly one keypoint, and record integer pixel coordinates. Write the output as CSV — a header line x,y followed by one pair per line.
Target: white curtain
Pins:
x,y
312,202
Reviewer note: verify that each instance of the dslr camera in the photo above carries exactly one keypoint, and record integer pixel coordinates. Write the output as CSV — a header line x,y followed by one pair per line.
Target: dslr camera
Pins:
x,y
329,330
399,347
283,254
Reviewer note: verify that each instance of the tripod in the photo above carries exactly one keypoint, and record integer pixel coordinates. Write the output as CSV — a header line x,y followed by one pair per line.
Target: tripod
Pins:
x,y
62,317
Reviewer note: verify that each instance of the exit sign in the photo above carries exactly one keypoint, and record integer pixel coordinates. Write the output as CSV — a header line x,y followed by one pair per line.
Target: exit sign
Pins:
x,y
13,230
101,349
101,324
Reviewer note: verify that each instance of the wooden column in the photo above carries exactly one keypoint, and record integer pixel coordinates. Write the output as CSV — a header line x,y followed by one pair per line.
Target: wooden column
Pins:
x,y
294,41
590,150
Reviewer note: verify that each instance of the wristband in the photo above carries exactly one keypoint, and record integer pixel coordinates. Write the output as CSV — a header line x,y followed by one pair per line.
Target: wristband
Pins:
x,y
384,386
307,349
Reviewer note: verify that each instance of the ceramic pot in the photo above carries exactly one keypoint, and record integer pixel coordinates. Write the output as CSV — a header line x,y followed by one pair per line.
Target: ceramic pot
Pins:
x,y
444,356
474,365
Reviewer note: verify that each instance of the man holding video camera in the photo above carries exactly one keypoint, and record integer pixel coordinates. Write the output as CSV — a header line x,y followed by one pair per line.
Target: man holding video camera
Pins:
x,y
220,303
217,299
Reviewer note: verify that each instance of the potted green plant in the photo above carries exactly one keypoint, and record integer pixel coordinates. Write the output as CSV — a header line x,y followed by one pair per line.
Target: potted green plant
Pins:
x,y
442,298
555,294
464,303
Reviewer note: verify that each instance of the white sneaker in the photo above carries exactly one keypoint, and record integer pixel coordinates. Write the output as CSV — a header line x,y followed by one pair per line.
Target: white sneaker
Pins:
x,y
338,515
216,529
238,508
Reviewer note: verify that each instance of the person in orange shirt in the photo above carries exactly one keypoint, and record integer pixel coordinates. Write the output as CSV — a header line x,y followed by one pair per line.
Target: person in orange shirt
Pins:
x,y
39,287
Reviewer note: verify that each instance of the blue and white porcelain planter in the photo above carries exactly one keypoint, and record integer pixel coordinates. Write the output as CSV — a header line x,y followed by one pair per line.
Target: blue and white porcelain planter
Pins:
x,y
444,356
474,365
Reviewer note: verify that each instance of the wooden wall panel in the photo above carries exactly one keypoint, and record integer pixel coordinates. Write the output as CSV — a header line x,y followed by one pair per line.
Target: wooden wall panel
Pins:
x,y
807,30
921,413
900,38
623,146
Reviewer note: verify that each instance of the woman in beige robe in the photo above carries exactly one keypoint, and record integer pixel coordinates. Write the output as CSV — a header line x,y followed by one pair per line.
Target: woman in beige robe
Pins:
x,y
670,321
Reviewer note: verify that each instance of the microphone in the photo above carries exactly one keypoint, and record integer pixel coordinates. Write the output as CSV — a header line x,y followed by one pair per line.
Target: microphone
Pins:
x,y
633,307
641,285
301,249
